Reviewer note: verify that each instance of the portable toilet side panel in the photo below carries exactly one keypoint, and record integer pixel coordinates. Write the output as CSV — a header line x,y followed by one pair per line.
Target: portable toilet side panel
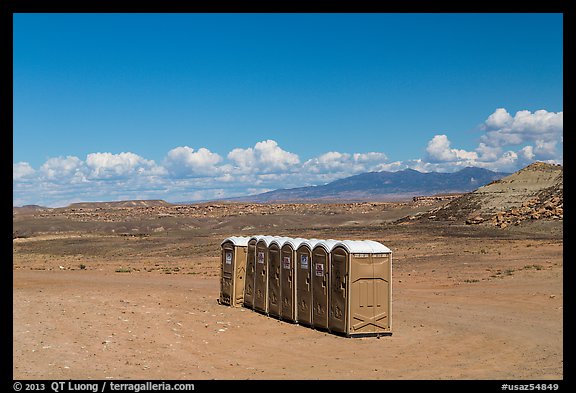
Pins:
x,y
288,283
320,257
227,273
304,285
338,278
250,274
261,277
361,294
274,280
370,294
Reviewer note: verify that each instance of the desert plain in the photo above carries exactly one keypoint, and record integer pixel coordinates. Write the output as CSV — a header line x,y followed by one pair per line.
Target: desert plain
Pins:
x,y
129,291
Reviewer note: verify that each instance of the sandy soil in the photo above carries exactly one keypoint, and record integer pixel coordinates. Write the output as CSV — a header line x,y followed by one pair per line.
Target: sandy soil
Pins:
x,y
468,303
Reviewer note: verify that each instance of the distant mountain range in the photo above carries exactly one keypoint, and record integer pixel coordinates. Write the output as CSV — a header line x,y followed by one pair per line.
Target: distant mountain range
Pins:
x,y
370,186
383,186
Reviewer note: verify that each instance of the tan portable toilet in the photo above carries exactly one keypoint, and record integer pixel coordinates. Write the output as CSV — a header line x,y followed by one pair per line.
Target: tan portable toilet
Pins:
x,y
360,288
320,266
250,272
274,273
233,270
261,274
288,279
304,281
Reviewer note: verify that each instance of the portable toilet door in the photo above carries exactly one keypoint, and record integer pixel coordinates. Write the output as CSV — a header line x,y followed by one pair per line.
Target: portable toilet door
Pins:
x,y
274,273
288,280
338,283
304,282
360,288
320,266
233,270
261,275
250,273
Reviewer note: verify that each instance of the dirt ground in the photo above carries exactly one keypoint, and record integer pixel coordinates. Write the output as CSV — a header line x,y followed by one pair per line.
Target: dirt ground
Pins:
x,y
469,302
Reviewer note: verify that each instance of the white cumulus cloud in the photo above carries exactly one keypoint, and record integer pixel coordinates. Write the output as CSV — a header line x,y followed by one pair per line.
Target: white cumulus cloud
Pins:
x,y
439,150
499,119
331,161
507,144
184,161
345,164
271,155
116,166
63,169
244,160
545,149
525,127
488,153
266,156
22,170
527,153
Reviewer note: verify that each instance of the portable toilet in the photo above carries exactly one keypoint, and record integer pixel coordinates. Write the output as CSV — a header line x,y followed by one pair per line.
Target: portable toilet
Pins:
x,y
274,273
261,274
233,270
304,281
360,288
288,279
250,272
320,266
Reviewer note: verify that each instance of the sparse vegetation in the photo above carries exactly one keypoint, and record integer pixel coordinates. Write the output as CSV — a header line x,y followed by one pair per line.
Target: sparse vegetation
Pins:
x,y
536,267
19,235
123,270
508,272
82,266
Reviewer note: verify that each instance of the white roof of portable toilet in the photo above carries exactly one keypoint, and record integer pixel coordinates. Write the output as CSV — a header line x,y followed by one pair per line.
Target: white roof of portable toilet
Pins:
x,y
327,244
295,243
378,247
280,240
237,240
266,239
310,242
363,247
256,237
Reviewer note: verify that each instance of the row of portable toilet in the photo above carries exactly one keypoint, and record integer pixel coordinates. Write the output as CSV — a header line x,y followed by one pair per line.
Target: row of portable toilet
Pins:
x,y
344,287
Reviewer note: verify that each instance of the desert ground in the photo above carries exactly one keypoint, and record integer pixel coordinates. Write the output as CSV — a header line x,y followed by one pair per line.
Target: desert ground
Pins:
x,y
130,292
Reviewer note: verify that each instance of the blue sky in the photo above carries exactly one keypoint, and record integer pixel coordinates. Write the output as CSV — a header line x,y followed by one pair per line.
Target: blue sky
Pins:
x,y
187,107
